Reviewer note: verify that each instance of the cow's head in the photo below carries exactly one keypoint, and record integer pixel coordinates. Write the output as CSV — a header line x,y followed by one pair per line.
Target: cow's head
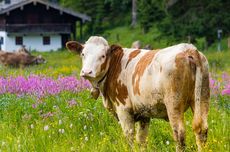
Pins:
x,y
95,57
39,59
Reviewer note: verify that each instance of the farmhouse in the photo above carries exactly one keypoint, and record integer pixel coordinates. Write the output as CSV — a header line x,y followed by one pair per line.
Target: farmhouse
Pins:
x,y
38,24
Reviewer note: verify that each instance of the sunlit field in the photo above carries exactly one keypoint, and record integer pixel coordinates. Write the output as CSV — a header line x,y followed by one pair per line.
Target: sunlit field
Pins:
x,y
48,107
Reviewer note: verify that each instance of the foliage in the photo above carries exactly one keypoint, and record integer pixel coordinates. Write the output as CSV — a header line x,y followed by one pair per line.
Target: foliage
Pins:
x,y
149,13
104,13
197,19
180,20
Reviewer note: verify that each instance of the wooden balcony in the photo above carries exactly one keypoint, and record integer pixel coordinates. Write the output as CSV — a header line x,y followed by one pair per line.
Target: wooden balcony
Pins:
x,y
37,28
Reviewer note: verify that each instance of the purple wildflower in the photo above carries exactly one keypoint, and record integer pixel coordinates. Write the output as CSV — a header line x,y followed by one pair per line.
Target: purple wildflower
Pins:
x,y
72,103
41,86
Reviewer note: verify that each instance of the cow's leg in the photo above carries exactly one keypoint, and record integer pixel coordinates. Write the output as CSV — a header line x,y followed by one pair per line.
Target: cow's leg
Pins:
x,y
142,132
127,123
176,119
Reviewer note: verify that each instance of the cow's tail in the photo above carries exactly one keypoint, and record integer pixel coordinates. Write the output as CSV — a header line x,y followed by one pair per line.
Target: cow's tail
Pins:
x,y
197,119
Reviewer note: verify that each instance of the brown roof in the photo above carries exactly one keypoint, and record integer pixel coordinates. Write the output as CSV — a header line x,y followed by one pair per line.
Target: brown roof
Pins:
x,y
9,7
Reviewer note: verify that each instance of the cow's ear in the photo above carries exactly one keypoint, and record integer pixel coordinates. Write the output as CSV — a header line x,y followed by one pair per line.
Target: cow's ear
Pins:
x,y
74,47
113,48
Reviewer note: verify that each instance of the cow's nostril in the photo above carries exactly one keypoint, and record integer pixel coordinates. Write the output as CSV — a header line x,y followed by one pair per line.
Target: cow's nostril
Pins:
x,y
90,72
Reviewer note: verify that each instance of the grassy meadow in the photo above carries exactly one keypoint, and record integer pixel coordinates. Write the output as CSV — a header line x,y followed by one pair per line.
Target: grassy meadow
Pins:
x,y
72,121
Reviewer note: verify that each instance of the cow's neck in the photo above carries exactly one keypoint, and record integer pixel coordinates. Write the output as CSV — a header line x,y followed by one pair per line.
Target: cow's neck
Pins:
x,y
108,82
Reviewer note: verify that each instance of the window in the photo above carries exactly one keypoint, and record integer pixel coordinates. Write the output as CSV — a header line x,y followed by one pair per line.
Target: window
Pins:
x,y
46,40
1,40
18,40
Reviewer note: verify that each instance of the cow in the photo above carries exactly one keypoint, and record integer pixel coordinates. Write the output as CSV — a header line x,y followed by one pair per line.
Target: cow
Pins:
x,y
23,50
19,59
137,85
136,44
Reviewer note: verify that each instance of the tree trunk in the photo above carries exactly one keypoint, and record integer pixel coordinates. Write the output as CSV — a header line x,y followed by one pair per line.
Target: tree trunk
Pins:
x,y
134,13
229,42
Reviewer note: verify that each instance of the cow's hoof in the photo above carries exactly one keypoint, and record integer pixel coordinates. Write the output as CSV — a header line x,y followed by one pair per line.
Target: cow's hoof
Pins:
x,y
95,93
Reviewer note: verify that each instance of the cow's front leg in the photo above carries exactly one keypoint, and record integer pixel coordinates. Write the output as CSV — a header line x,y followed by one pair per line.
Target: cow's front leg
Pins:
x,y
127,123
142,132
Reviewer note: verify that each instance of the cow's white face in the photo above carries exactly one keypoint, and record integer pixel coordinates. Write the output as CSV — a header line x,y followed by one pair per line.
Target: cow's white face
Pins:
x,y
94,54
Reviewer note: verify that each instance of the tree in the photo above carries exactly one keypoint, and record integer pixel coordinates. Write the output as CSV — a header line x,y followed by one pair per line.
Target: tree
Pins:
x,y
150,12
134,13
197,19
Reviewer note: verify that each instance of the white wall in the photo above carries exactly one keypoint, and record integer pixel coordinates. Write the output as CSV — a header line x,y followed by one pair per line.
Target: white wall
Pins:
x,y
32,42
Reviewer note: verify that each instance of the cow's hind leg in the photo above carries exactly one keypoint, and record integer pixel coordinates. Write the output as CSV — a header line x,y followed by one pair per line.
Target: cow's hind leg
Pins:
x,y
176,119
142,132
127,123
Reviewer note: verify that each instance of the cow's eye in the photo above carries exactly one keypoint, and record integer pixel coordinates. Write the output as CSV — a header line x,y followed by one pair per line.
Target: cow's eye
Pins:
x,y
82,54
103,56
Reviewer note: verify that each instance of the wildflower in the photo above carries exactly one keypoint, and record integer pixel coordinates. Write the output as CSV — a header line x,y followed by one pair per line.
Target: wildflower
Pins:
x,y
72,149
71,125
46,127
40,86
61,131
34,105
3,143
60,122
47,115
101,133
72,103
86,138
167,142
32,126
187,122
85,127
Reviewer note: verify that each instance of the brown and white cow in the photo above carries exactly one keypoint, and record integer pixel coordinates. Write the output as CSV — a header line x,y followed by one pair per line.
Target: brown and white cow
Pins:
x,y
137,85
19,59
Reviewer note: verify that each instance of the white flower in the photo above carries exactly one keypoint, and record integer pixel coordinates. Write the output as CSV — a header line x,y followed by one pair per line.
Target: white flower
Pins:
x,y
167,142
46,127
32,126
101,133
86,138
71,125
3,143
61,131
187,122
85,127
72,149
60,122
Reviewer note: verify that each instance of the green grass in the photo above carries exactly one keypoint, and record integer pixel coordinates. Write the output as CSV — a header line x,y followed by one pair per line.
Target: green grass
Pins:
x,y
125,36
88,126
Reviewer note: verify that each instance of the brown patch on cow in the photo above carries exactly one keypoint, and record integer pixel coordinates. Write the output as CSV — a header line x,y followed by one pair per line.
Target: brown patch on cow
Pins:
x,y
191,56
132,55
103,65
114,88
140,69
183,77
